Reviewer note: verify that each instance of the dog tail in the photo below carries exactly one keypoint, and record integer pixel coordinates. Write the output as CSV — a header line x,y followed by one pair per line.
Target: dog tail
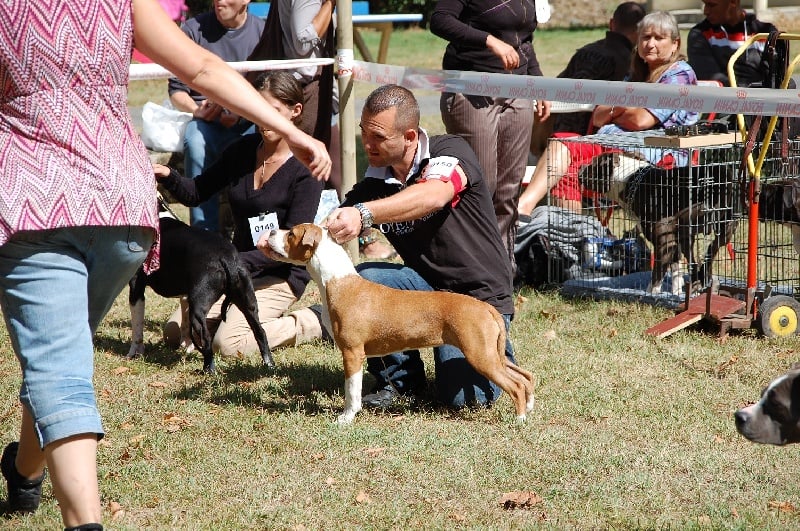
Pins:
x,y
226,303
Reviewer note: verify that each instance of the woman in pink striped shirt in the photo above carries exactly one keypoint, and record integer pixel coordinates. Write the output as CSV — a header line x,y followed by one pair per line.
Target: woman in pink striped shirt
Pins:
x,y
78,213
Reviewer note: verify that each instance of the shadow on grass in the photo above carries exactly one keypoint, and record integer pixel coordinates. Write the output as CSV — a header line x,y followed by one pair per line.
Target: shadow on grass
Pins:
x,y
156,353
301,384
307,387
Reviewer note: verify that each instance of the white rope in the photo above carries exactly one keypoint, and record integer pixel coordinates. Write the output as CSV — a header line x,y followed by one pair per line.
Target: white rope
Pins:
x,y
139,72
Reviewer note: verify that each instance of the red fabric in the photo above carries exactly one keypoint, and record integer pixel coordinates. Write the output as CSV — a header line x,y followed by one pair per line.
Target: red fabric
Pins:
x,y
455,181
580,153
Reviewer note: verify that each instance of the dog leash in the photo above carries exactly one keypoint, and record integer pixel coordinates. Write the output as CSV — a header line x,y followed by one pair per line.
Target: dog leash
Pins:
x,y
163,204
634,182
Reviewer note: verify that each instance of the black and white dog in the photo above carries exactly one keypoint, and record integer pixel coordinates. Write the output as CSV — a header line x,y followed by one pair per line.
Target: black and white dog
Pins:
x,y
672,207
775,418
779,201
203,266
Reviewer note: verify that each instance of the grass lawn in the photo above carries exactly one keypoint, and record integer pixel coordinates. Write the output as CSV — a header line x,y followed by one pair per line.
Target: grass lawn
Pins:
x,y
628,432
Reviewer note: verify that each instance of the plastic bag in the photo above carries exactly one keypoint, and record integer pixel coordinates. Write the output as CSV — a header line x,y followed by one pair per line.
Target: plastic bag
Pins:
x,y
163,127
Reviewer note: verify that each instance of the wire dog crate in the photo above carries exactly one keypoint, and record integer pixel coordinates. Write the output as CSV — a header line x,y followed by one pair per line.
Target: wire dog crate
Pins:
x,y
762,292
663,214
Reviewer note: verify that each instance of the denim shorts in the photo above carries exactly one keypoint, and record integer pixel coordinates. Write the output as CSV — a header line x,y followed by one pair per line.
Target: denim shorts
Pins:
x,y
55,287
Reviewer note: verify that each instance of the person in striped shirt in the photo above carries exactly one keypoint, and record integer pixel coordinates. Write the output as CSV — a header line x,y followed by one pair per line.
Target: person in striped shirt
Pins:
x,y
712,42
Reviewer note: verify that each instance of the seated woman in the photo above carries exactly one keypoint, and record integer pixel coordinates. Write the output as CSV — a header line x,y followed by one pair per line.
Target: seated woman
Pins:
x,y
267,186
657,60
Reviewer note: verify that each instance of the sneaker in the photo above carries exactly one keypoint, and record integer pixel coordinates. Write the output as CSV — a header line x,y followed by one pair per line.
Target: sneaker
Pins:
x,y
24,495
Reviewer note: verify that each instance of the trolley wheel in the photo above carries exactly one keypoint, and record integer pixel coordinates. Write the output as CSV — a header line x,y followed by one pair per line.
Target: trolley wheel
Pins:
x,y
779,316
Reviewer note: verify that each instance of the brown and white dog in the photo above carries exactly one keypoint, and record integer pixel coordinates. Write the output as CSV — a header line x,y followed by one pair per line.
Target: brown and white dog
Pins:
x,y
368,319
672,207
775,418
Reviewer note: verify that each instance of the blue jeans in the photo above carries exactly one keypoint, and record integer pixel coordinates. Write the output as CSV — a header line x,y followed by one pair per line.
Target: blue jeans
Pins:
x,y
55,288
203,142
457,383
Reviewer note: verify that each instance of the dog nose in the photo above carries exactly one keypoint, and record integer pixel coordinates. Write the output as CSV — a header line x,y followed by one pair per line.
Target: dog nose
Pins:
x,y
740,417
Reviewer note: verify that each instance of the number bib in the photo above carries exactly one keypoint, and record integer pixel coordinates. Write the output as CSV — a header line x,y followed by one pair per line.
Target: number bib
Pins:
x,y
262,223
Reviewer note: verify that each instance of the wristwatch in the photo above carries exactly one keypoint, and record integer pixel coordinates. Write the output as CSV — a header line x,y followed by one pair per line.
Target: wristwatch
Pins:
x,y
366,216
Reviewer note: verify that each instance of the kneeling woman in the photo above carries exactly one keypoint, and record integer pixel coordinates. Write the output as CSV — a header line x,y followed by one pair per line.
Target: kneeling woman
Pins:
x,y
267,188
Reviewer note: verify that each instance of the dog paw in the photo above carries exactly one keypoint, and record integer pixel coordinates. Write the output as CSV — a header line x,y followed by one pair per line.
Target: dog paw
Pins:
x,y
530,404
521,419
346,418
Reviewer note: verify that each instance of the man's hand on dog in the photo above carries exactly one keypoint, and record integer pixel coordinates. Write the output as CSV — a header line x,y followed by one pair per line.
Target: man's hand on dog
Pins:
x,y
343,224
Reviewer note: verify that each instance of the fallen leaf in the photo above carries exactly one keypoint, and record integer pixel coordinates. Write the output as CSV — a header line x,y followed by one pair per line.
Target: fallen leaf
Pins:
x,y
734,513
158,384
613,332
125,426
550,335
458,517
136,440
318,457
362,497
519,500
120,370
374,452
722,367
329,481
116,510
784,507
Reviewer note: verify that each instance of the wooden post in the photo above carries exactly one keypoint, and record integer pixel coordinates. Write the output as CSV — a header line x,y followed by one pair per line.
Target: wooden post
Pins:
x,y
760,7
347,130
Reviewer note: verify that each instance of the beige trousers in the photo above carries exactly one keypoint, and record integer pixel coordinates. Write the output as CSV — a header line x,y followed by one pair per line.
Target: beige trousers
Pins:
x,y
233,337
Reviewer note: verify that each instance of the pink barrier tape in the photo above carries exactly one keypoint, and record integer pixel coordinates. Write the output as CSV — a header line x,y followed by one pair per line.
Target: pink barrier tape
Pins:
x,y
723,100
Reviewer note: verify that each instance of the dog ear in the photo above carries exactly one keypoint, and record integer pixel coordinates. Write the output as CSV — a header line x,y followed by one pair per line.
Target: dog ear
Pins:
x,y
311,237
